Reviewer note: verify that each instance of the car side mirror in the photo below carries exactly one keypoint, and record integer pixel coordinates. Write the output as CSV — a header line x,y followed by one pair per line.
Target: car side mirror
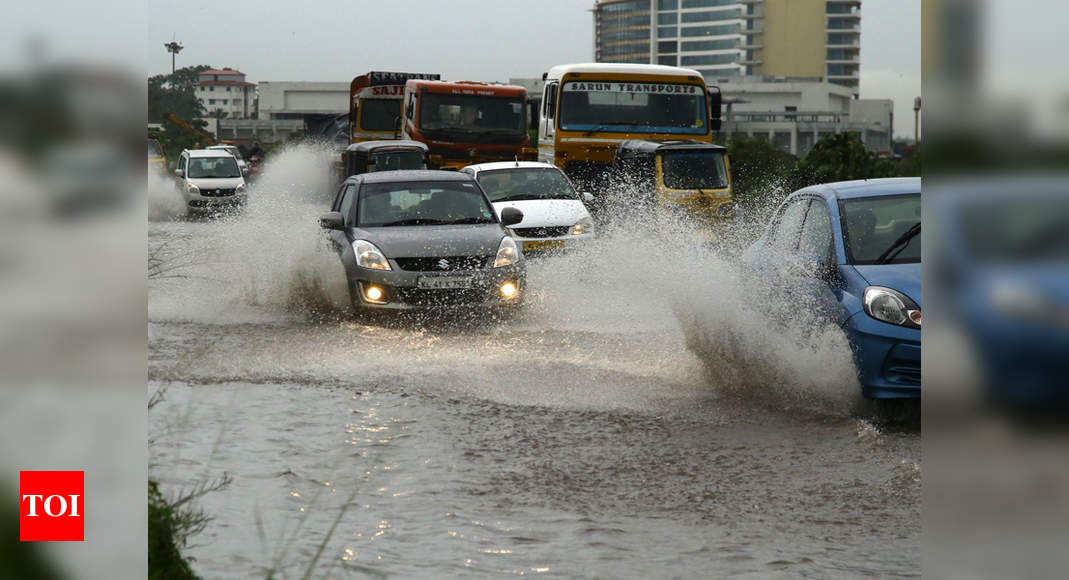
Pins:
x,y
179,172
511,216
332,221
587,197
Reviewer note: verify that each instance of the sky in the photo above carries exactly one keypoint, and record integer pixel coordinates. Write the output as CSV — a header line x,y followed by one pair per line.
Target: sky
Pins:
x,y
489,40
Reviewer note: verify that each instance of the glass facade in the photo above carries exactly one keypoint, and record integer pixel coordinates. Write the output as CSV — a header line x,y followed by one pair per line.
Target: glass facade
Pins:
x,y
622,31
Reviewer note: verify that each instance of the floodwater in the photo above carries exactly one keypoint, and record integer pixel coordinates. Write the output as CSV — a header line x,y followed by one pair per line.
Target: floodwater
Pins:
x,y
639,418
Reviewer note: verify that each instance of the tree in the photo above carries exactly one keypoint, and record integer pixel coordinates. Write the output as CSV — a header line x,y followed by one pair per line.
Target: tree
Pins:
x,y
176,94
839,157
759,171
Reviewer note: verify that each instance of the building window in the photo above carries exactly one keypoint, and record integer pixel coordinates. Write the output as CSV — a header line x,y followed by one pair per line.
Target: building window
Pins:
x,y
667,4
211,101
707,3
700,45
666,32
667,47
668,60
710,30
228,89
666,18
707,59
710,16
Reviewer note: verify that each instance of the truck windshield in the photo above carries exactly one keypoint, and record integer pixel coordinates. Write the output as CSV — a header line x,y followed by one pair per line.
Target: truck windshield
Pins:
x,y
525,183
694,170
633,107
471,113
379,114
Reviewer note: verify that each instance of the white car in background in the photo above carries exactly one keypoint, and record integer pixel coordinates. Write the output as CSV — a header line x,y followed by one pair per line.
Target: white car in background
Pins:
x,y
233,150
554,215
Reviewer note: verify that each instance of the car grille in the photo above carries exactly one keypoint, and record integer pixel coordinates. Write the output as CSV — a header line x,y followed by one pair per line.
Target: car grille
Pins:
x,y
443,263
217,192
546,232
424,297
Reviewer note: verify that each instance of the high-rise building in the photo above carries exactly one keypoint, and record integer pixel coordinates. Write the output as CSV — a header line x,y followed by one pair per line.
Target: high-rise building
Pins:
x,y
815,39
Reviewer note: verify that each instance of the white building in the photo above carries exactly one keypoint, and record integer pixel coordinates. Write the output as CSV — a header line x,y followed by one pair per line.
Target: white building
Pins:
x,y
225,91
296,99
796,113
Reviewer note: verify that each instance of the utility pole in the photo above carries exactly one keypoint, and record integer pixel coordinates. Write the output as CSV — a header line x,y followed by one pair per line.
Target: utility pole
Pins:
x,y
174,48
916,120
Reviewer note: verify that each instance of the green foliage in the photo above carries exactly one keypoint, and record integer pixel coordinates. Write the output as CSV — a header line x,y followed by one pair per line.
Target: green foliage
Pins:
x,y
758,168
164,558
839,157
176,94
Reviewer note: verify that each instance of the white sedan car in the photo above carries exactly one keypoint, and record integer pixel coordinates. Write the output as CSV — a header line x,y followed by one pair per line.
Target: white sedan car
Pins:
x,y
554,216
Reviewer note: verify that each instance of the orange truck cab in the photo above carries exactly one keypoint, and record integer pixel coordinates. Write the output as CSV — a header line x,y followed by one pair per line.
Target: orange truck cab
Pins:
x,y
466,122
375,104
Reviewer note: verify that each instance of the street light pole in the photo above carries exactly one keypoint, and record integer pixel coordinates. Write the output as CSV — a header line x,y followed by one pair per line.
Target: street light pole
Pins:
x,y
174,48
916,120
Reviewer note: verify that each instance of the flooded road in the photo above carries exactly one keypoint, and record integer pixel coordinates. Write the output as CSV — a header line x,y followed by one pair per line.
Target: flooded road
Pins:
x,y
637,419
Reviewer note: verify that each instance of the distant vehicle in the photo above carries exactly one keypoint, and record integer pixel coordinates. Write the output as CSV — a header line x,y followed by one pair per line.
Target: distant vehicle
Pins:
x,y
554,216
588,109
688,177
210,180
372,156
156,160
236,152
424,240
467,122
852,252
375,104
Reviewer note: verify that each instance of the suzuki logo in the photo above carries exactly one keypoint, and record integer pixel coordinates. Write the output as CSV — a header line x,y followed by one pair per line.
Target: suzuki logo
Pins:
x,y
443,264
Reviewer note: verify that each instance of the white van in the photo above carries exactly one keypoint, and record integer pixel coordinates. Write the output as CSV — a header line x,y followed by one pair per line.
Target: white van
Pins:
x,y
210,180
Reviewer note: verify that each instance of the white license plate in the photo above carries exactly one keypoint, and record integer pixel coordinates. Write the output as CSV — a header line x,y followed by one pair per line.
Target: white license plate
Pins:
x,y
444,282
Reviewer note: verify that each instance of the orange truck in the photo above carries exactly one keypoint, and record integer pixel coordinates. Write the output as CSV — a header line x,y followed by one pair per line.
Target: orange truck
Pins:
x,y
375,104
465,122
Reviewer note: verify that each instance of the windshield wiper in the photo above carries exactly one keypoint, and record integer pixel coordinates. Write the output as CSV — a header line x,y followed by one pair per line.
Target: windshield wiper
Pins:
x,y
413,222
472,220
519,197
898,245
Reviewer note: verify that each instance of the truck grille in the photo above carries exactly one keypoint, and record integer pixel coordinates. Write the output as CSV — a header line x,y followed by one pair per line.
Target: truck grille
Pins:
x,y
443,263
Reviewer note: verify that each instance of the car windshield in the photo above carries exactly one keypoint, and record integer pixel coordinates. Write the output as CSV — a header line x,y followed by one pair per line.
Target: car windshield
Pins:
x,y
694,170
471,113
213,167
390,160
526,183
633,107
1022,229
417,203
379,114
873,226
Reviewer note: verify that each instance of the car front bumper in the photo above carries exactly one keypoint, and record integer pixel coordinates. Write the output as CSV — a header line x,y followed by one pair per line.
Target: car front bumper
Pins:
x,y
888,357
401,289
545,246
204,203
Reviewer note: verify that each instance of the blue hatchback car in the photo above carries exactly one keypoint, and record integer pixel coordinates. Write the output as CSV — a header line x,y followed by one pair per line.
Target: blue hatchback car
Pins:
x,y
855,246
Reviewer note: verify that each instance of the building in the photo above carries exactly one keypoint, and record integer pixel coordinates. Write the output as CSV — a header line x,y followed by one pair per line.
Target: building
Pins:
x,y
795,114
299,99
224,92
814,39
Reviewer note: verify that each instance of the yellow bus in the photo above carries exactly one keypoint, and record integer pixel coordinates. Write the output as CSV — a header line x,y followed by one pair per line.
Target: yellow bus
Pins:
x,y
589,109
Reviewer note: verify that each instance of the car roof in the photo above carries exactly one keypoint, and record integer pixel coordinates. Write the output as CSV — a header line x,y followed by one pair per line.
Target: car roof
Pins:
x,y
368,146
207,153
652,146
402,175
509,165
866,187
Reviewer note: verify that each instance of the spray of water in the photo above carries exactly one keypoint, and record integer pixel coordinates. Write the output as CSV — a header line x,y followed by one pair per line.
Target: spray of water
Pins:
x,y
165,202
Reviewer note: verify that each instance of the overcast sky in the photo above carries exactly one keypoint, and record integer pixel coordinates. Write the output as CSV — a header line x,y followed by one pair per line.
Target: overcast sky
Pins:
x,y
489,40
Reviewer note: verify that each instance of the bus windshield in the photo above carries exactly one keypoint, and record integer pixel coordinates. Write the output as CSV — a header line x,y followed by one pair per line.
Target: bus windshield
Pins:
x,y
379,114
633,107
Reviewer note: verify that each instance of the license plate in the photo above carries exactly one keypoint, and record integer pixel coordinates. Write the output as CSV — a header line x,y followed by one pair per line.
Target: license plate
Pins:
x,y
543,246
444,282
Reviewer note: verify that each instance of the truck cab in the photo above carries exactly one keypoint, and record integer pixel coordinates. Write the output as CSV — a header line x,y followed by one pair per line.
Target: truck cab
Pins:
x,y
372,156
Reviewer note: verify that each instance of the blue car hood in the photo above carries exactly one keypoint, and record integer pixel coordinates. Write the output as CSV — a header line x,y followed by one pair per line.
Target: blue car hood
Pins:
x,y
906,278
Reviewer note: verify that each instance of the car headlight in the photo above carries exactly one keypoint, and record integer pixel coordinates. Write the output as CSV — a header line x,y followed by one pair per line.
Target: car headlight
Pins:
x,y
190,188
240,188
583,226
368,256
891,306
507,253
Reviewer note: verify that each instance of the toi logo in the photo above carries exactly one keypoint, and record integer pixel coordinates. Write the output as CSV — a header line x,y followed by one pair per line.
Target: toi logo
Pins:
x,y
51,506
